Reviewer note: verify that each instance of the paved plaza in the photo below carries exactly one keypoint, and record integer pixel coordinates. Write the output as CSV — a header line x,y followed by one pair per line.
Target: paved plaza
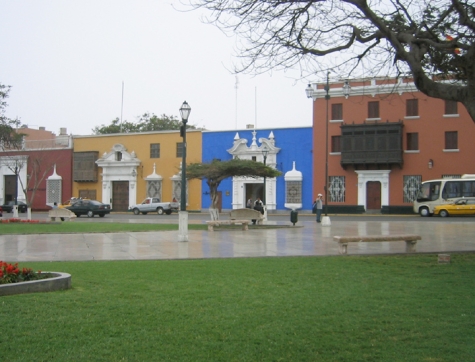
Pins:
x,y
307,238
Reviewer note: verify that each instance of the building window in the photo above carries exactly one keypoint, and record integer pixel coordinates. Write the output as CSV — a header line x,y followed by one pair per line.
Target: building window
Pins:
x,y
451,140
254,158
451,107
155,150
337,111
85,167
412,107
411,187
373,109
179,149
336,188
293,194
336,143
412,141
118,156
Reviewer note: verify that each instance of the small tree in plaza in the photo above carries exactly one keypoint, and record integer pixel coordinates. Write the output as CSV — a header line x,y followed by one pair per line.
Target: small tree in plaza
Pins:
x,y
216,171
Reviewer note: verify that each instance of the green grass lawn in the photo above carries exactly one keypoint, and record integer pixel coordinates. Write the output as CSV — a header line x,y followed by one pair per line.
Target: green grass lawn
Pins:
x,y
86,227
379,308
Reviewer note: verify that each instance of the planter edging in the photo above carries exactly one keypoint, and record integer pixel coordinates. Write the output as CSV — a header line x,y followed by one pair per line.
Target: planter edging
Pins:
x,y
60,281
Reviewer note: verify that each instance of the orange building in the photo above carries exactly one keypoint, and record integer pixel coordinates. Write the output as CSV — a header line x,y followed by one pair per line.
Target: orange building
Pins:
x,y
122,169
385,138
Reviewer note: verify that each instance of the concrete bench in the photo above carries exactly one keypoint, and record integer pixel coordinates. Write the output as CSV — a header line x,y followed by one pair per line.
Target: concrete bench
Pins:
x,y
212,224
63,214
248,214
410,240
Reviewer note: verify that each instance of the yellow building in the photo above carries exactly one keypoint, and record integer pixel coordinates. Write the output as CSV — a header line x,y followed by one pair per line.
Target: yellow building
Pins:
x,y
123,169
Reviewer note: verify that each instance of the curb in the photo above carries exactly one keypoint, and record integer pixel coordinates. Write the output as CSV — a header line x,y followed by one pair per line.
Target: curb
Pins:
x,y
60,281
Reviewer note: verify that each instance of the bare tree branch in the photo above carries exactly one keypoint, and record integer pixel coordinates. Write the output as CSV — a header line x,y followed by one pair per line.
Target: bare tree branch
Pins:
x,y
430,39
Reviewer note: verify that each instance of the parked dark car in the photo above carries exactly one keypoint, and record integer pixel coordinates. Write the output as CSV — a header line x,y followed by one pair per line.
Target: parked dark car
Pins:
x,y
89,208
8,207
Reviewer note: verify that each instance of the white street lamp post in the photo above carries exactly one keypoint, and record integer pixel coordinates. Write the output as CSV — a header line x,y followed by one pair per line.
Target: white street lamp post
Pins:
x,y
183,214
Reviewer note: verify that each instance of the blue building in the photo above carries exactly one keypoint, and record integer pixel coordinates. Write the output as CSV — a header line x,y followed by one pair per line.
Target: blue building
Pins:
x,y
289,150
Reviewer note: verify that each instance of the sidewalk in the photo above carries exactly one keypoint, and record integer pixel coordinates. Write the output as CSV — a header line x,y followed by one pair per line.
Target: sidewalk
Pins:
x,y
306,239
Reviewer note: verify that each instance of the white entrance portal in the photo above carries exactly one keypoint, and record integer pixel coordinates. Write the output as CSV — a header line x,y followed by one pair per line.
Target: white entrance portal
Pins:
x,y
248,187
373,175
118,165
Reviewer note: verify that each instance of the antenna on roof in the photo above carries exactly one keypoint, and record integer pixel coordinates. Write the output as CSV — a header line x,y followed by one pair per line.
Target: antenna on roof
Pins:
x,y
122,107
236,87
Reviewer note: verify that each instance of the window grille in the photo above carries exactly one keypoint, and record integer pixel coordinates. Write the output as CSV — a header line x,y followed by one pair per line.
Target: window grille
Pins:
x,y
154,189
411,187
54,190
293,192
176,191
336,188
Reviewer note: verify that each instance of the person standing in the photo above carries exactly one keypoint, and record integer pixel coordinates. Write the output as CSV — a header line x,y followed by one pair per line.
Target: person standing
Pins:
x,y
249,204
318,205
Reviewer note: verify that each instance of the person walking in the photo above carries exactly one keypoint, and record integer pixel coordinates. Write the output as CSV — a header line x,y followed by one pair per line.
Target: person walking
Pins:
x,y
318,206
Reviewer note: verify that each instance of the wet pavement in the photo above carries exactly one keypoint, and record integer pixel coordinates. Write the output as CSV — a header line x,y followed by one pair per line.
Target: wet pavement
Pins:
x,y
307,238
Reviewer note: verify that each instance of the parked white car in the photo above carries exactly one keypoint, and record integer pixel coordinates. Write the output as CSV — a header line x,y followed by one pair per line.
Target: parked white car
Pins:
x,y
153,204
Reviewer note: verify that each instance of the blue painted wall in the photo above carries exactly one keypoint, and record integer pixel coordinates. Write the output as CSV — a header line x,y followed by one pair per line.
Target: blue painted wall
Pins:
x,y
295,145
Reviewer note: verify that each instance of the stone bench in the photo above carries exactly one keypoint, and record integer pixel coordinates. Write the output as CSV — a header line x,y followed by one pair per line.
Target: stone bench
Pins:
x,y
63,214
248,214
212,224
410,240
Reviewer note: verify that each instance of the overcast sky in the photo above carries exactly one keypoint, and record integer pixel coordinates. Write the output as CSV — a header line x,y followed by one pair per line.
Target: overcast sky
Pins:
x,y
66,62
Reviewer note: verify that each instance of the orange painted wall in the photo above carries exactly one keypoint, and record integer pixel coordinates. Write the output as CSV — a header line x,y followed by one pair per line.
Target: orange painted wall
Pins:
x,y
167,165
431,127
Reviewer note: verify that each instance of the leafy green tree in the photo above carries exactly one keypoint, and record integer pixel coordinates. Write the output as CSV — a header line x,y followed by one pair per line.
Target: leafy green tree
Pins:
x,y
146,123
116,127
216,171
151,122
9,138
431,40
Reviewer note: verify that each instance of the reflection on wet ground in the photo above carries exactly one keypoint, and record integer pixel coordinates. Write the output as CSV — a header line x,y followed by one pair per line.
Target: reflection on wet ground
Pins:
x,y
307,239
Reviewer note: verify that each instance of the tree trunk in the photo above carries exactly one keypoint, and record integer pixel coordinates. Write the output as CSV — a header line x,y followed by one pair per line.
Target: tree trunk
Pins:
x,y
214,213
213,193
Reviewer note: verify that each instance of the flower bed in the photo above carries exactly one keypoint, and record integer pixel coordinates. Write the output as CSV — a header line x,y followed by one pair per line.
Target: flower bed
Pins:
x,y
14,280
16,220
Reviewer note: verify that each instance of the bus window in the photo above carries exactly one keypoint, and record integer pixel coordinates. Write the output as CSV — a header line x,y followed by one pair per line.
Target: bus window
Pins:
x,y
429,191
434,191
452,189
468,188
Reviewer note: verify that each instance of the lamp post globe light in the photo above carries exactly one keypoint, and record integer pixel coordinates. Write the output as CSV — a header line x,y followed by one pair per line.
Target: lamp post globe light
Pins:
x,y
311,93
185,110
